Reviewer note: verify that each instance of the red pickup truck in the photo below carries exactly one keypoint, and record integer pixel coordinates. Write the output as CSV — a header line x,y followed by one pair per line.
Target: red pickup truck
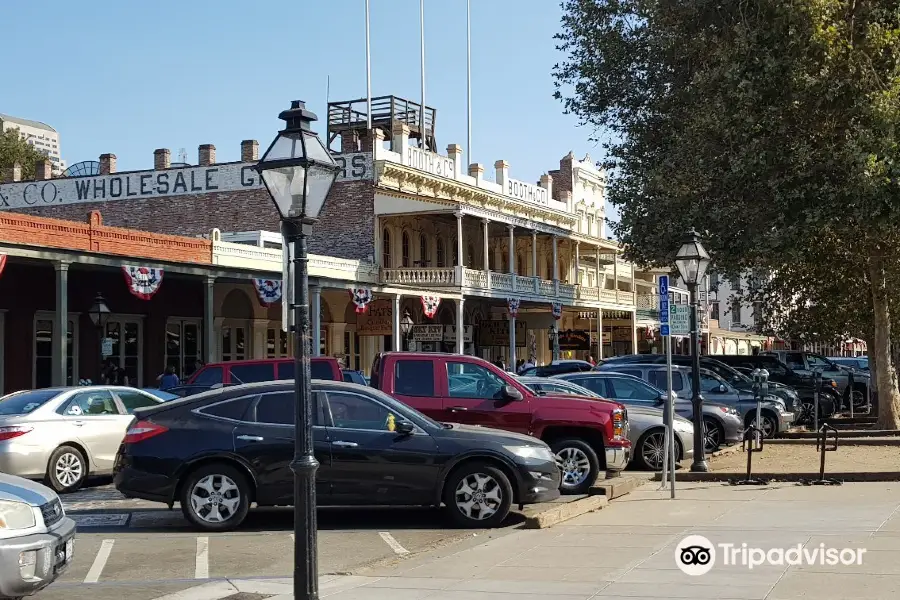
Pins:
x,y
586,435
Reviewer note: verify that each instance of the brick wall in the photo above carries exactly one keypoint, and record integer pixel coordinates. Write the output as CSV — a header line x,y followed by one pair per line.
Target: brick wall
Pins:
x,y
94,236
346,227
562,177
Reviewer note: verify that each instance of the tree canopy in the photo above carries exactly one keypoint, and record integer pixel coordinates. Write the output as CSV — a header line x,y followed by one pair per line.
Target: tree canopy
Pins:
x,y
13,149
770,127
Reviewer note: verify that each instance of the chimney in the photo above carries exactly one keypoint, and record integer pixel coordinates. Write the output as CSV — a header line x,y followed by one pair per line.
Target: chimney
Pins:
x,y
454,152
12,174
350,142
42,170
107,164
476,171
547,184
207,154
249,151
162,159
502,173
400,139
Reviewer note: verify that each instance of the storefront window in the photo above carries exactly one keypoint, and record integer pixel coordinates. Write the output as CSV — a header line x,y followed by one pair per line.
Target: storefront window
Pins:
x,y
42,372
234,343
276,343
183,347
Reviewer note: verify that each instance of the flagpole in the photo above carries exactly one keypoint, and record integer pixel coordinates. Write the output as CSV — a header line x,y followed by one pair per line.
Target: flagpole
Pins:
x,y
422,35
469,82
368,74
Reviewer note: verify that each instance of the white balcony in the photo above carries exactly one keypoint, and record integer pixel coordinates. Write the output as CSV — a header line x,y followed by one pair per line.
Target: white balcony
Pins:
x,y
503,285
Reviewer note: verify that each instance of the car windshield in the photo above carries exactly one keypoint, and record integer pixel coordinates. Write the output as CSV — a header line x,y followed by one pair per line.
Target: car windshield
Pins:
x,y
22,403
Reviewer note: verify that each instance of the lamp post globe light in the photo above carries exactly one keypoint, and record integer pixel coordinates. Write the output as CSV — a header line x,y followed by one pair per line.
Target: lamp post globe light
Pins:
x,y
406,325
99,313
298,172
692,261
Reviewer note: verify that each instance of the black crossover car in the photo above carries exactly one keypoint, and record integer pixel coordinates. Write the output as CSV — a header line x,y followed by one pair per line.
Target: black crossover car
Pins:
x,y
219,451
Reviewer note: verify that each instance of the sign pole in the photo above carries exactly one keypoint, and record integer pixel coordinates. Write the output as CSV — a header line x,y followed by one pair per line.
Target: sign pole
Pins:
x,y
668,466
670,409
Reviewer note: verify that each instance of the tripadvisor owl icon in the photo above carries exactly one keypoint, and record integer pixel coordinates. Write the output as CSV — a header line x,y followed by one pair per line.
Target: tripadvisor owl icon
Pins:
x,y
695,555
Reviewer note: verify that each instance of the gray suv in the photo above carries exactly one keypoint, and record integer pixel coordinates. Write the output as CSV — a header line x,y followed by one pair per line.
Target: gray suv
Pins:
x,y
722,425
775,416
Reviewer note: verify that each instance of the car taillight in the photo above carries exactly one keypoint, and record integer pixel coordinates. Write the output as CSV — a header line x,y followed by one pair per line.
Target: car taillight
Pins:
x,y
143,430
13,431
620,423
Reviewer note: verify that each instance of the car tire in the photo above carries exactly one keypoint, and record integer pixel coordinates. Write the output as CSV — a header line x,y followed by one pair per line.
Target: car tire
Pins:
x,y
654,442
770,423
67,469
478,495
215,497
578,464
713,435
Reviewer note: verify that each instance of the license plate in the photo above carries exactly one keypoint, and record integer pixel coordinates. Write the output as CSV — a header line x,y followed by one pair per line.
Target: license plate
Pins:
x,y
65,551
70,549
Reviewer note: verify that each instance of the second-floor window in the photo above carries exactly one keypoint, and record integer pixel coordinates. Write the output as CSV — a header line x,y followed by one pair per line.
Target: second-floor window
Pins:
x,y
386,249
405,249
714,311
736,310
423,250
441,256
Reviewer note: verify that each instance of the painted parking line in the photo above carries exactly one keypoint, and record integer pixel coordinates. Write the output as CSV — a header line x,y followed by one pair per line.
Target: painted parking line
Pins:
x,y
394,544
202,569
104,520
96,571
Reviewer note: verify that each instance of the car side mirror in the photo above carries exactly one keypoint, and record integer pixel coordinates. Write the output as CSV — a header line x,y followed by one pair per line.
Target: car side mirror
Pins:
x,y
404,427
722,388
511,393
660,400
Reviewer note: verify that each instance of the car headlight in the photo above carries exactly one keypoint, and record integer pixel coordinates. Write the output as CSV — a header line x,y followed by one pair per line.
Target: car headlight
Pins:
x,y
16,515
532,452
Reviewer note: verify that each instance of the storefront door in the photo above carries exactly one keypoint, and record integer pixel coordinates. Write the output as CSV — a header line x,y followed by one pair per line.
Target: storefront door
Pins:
x,y
125,334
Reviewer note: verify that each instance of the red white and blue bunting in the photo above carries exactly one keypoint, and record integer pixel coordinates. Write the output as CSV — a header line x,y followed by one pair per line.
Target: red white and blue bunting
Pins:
x,y
268,290
430,305
512,305
361,298
2,263
556,309
143,282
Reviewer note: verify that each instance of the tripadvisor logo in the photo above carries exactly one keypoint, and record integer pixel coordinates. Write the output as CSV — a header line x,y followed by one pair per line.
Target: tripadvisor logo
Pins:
x,y
696,555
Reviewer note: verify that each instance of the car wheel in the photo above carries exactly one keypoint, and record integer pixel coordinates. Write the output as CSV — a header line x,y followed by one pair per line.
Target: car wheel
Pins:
x,y
215,497
67,469
651,448
478,495
713,434
769,424
578,465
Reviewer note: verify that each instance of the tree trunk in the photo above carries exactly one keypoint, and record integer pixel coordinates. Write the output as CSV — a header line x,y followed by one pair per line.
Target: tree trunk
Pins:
x,y
888,394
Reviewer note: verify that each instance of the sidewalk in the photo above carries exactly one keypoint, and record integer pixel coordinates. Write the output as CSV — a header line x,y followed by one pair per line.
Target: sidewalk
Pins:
x,y
628,551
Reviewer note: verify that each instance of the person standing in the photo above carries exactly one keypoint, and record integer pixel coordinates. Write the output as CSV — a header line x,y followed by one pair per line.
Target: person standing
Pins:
x,y
528,364
168,379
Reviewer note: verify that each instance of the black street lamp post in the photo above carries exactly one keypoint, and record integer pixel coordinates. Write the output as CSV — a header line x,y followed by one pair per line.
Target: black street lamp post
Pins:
x,y
553,332
99,313
692,261
298,172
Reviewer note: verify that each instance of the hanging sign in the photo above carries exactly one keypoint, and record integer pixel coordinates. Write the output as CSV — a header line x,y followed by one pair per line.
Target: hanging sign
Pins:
x,y
268,290
496,333
378,318
430,305
2,263
427,333
573,339
450,334
512,305
361,298
556,309
143,282
106,347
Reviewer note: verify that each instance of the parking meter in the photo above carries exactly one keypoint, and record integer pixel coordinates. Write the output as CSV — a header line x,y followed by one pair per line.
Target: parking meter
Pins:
x,y
850,385
763,392
817,376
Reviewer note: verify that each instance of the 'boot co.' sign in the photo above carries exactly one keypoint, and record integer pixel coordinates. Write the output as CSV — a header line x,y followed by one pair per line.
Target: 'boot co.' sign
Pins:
x,y
179,181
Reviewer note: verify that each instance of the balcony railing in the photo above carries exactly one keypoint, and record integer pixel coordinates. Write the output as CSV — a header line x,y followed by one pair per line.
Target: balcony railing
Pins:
x,y
426,276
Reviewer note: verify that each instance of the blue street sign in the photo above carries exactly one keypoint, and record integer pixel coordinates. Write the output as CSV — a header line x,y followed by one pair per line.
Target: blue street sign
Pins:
x,y
664,303
663,329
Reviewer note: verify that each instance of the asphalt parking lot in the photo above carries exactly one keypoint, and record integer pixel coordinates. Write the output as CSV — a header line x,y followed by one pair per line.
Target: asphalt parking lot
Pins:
x,y
143,551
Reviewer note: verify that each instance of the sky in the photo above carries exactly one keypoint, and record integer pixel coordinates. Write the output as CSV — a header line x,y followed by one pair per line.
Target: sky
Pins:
x,y
130,77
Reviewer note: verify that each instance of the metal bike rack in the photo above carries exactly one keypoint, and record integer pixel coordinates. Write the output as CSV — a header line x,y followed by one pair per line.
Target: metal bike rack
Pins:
x,y
822,446
751,436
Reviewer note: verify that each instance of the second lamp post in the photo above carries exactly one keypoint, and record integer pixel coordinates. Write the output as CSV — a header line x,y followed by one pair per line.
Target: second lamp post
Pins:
x,y
298,172
692,261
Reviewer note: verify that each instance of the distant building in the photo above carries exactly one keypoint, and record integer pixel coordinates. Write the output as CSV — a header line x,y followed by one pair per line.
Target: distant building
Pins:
x,y
44,138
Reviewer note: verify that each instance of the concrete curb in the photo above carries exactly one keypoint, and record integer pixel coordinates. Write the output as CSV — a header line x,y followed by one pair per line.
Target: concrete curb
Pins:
x,y
563,512
616,487
885,476
842,434
842,441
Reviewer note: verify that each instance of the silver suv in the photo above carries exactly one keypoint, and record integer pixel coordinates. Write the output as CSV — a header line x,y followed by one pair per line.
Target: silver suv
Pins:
x,y
775,416
37,539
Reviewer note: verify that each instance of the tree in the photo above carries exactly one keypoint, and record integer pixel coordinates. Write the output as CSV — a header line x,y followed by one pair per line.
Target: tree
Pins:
x,y
13,149
767,125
